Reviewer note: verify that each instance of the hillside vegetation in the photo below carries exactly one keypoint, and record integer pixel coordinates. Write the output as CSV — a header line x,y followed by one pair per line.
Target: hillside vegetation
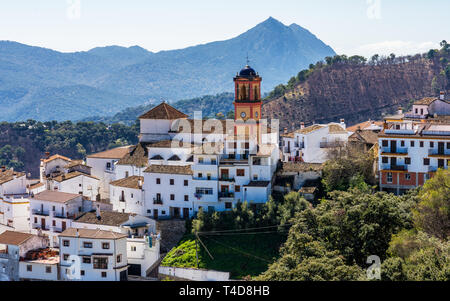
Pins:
x,y
23,144
220,105
357,89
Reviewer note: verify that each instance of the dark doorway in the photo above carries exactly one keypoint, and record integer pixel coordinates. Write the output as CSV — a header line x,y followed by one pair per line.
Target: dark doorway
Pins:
x,y
155,213
134,269
176,212
124,276
393,146
186,213
440,148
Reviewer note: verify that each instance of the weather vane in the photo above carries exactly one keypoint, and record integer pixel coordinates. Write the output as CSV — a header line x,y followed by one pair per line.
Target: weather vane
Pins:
x,y
248,61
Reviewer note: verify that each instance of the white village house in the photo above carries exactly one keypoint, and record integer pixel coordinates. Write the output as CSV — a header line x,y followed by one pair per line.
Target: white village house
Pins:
x,y
311,144
143,243
52,212
93,255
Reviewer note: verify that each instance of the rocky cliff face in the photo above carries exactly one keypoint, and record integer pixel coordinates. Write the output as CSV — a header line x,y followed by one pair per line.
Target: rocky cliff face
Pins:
x,y
354,92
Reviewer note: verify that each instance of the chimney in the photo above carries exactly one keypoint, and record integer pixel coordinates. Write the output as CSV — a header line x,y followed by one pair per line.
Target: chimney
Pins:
x,y
285,130
77,234
400,111
3,168
442,95
343,123
140,183
302,125
97,211
47,155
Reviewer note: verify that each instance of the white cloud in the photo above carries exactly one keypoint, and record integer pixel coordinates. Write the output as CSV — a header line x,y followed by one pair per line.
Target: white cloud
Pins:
x,y
398,47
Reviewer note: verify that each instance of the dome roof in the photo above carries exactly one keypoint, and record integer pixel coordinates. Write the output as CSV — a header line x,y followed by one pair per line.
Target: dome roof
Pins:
x,y
247,71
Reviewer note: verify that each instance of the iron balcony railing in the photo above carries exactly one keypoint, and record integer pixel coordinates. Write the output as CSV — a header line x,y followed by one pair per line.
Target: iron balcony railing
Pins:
x,y
437,152
40,212
226,178
398,150
157,201
226,194
394,167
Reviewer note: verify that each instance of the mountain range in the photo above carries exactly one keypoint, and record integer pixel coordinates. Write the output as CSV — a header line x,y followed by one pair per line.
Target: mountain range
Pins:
x,y
43,84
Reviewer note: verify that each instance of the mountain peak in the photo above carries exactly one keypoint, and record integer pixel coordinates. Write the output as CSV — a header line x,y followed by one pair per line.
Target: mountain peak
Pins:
x,y
272,23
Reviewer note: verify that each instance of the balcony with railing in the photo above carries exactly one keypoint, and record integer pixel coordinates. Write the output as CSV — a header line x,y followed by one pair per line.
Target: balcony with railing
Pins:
x,y
396,151
439,153
226,178
40,212
394,167
39,226
226,194
157,201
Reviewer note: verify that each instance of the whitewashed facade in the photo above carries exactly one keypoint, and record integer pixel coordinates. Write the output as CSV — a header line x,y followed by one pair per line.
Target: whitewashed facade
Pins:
x,y
93,255
311,144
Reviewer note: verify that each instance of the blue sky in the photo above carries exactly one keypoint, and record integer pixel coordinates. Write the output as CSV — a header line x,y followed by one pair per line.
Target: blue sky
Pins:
x,y
349,26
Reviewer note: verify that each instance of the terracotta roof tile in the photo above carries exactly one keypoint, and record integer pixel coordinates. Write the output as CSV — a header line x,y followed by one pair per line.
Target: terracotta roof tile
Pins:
x,y
72,175
9,175
138,156
14,238
130,182
55,196
336,129
108,218
169,169
115,153
425,101
170,144
54,157
364,125
163,111
364,136
91,233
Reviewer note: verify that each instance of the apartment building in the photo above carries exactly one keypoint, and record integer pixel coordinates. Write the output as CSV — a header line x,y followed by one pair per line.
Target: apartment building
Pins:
x,y
414,145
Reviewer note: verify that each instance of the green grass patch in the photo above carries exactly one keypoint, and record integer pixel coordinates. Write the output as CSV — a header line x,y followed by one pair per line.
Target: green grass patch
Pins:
x,y
241,255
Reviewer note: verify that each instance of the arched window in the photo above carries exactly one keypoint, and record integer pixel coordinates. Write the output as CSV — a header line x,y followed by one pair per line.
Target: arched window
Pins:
x,y
243,95
255,93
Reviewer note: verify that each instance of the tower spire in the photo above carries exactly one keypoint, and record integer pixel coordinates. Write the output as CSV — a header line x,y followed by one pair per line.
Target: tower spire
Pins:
x,y
248,61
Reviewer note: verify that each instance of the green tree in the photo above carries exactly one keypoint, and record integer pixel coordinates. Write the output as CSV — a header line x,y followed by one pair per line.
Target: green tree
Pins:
x,y
345,165
432,214
417,256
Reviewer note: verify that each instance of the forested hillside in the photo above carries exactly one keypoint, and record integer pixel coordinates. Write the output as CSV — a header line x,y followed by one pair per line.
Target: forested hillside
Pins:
x,y
23,144
220,105
357,89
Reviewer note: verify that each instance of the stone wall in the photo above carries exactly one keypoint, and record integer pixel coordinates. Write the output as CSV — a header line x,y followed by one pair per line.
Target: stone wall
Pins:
x,y
171,233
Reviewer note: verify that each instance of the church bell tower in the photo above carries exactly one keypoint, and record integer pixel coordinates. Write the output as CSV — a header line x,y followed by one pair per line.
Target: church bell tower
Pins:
x,y
247,100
